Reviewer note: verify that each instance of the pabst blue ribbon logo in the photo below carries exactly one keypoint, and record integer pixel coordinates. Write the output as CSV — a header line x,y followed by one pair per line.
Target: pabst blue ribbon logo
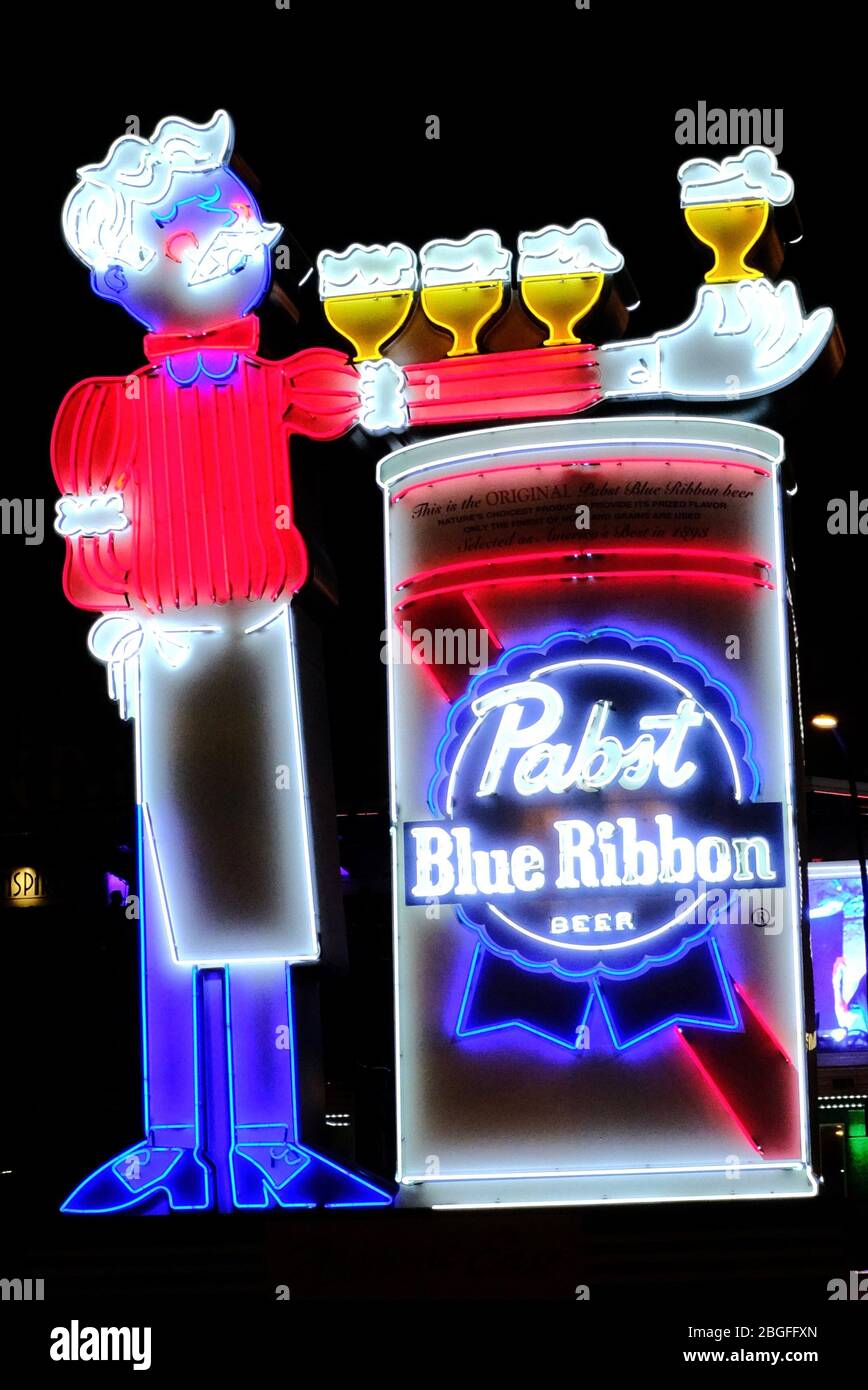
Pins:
x,y
581,786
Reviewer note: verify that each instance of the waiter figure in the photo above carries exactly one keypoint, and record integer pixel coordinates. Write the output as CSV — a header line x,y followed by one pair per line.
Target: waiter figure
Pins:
x,y
177,515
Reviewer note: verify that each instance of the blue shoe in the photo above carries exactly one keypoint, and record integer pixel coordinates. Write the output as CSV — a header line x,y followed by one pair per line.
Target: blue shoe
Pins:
x,y
152,1176
289,1175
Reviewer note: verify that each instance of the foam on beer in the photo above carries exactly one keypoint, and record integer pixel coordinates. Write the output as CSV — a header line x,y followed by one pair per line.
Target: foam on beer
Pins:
x,y
753,174
479,257
578,250
366,270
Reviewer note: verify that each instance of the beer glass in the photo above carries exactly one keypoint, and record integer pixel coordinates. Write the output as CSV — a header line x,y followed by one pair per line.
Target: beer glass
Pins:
x,y
561,271
730,229
464,310
560,301
367,293
463,286
368,321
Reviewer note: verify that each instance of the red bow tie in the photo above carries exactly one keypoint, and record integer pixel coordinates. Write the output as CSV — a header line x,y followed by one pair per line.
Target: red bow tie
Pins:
x,y
241,335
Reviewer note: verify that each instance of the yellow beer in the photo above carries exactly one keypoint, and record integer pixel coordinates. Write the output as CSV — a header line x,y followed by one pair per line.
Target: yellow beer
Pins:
x,y
560,301
463,310
730,229
368,320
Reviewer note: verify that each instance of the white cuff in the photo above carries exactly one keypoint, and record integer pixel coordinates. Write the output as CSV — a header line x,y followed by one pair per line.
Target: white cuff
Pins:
x,y
92,515
631,368
383,406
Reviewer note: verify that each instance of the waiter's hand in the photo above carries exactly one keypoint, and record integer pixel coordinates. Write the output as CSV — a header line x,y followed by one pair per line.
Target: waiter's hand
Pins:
x,y
743,339
94,514
382,398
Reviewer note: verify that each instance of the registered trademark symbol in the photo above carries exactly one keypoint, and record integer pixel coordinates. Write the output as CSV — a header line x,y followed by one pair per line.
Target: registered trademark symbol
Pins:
x,y
761,917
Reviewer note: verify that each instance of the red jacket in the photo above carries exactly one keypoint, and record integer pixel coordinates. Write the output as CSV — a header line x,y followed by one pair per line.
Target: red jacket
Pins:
x,y
196,445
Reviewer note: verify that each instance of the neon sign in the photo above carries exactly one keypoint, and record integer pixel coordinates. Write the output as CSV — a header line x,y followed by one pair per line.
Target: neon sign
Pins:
x,y
727,205
26,887
561,272
463,285
583,780
589,833
745,337
177,513
567,857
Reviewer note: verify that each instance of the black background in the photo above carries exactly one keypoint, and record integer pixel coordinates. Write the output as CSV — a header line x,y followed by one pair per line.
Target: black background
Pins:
x,y
547,114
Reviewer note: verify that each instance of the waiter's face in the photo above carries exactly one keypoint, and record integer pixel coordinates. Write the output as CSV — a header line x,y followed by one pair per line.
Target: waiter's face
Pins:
x,y
210,260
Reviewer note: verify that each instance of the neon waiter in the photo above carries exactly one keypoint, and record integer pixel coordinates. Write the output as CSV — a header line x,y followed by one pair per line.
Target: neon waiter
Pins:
x,y
177,513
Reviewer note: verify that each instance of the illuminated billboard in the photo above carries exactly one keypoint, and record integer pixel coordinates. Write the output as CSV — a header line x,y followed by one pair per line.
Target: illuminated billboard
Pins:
x,y
597,956
838,956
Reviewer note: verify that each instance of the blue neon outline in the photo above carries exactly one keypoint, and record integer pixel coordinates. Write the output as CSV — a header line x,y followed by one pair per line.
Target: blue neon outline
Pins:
x,y
197,1064
466,1008
597,971
144,1194
201,369
310,1155
293,1081
688,1020
118,296
734,1023
620,634
441,775
204,201
269,1191
330,1163
646,963
143,980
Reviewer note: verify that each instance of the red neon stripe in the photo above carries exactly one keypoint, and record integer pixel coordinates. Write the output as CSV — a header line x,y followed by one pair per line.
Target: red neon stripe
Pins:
x,y
507,389
713,1086
529,381
720,575
474,608
492,364
525,401
114,566
577,463
88,557
821,791
202,469
429,670
98,571
740,990
185,557
279,486
576,554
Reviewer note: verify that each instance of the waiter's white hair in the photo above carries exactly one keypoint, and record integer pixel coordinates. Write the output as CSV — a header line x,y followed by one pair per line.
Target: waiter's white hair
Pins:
x,y
97,215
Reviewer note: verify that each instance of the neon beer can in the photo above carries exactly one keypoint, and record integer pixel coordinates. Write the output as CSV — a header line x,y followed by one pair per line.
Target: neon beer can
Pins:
x,y
596,899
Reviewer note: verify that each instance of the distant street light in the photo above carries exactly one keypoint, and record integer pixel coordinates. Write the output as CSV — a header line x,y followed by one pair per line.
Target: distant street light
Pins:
x,y
829,723
825,721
